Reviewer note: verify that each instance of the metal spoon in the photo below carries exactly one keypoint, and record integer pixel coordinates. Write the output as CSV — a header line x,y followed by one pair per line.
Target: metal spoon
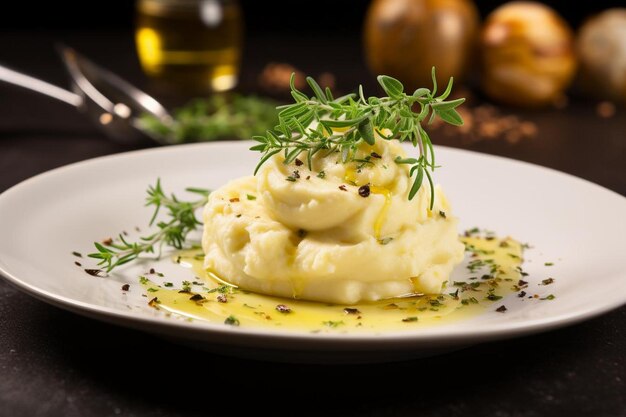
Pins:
x,y
110,102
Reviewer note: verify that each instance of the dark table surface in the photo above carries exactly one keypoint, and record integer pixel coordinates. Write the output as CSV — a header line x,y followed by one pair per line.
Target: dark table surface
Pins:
x,y
54,363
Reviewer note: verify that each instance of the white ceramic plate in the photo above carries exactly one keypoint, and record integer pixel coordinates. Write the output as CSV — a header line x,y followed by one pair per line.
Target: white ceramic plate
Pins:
x,y
575,224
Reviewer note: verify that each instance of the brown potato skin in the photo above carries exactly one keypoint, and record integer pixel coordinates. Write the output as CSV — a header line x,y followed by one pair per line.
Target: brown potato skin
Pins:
x,y
601,47
527,55
406,38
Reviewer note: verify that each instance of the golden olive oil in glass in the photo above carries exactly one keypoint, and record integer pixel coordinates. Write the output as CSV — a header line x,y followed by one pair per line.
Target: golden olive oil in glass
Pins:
x,y
190,44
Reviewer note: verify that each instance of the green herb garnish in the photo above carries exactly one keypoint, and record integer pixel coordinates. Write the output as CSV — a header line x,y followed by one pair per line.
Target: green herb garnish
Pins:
x,y
222,289
232,321
344,123
173,232
333,324
216,117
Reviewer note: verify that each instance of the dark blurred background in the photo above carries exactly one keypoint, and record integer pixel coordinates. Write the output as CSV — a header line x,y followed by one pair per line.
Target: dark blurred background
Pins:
x,y
309,18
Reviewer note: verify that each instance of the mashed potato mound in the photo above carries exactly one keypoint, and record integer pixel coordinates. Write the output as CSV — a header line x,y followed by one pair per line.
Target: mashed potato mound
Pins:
x,y
317,234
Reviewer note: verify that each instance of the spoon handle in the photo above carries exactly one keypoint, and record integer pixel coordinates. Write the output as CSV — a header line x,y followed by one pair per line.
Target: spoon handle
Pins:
x,y
26,81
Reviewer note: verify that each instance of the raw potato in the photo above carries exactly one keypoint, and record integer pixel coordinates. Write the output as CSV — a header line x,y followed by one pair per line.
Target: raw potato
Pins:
x,y
318,239
602,52
527,54
405,38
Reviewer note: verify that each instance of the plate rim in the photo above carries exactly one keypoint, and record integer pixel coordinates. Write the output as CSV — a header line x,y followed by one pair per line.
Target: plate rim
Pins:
x,y
237,335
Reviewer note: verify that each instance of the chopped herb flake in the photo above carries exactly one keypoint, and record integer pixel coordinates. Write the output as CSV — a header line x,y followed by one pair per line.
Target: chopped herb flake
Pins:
x,y
472,231
222,289
493,297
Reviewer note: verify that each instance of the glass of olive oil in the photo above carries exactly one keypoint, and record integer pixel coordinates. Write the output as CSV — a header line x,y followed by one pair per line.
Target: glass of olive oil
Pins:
x,y
190,44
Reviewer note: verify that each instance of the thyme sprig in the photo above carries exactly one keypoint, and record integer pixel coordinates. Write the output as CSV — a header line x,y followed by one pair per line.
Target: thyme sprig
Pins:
x,y
322,123
173,232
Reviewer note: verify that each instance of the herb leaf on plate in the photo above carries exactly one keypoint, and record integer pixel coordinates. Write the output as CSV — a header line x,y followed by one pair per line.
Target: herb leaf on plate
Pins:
x,y
171,232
